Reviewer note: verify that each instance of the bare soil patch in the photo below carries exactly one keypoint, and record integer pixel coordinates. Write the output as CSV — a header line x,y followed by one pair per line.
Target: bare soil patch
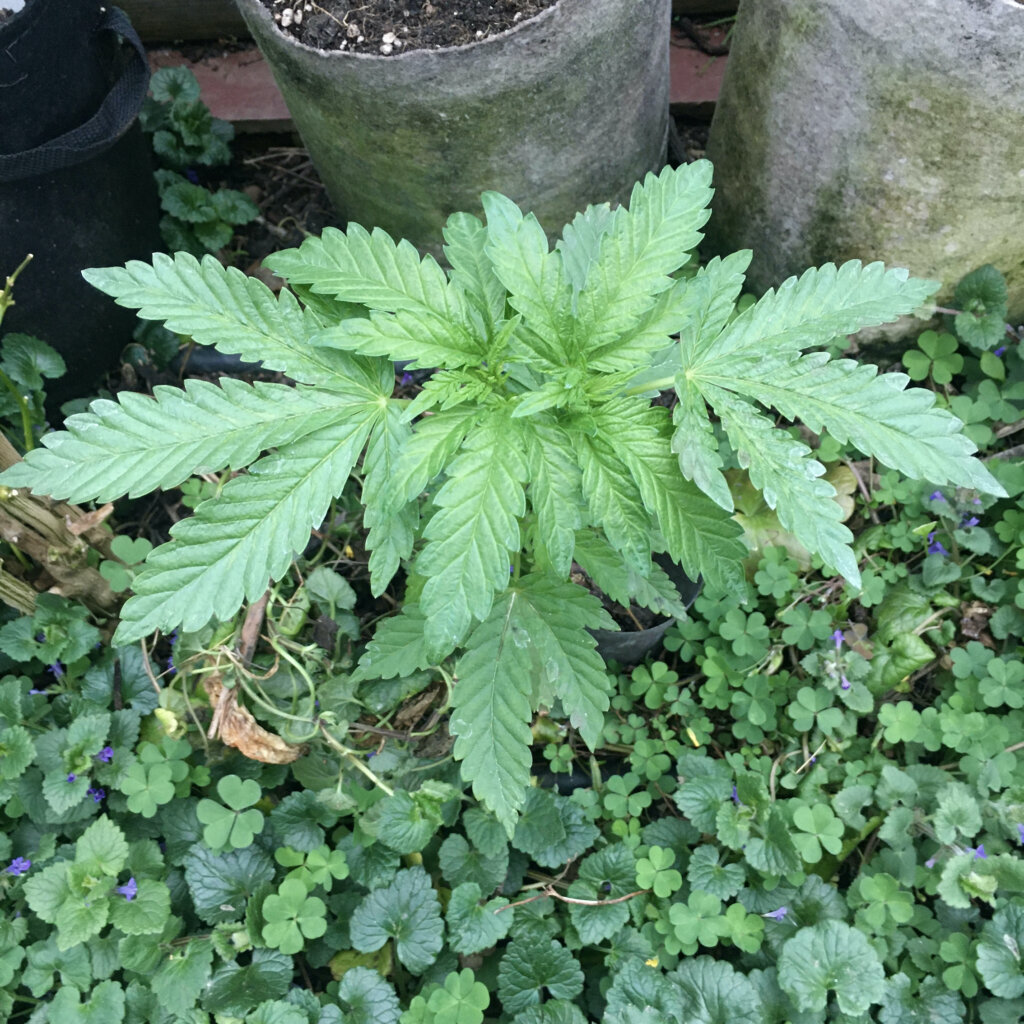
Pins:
x,y
393,27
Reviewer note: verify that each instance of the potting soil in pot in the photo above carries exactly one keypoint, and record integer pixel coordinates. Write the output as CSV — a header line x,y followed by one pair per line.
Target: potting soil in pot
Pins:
x,y
397,26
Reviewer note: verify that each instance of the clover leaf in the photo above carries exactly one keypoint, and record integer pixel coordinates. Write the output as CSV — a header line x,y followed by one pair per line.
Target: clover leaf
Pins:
x,y
698,920
462,1000
819,829
318,867
292,916
655,871
231,827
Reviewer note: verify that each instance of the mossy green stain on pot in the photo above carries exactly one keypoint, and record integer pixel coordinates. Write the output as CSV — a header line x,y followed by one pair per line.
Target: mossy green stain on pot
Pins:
x,y
840,134
568,108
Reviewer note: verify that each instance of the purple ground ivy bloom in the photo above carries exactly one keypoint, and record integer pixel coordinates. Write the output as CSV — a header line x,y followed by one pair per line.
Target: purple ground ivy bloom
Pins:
x,y
736,796
777,915
106,755
999,351
837,638
71,777
844,683
192,176
97,793
936,496
406,380
129,890
968,521
18,866
1020,834
978,851
930,862
56,669
935,547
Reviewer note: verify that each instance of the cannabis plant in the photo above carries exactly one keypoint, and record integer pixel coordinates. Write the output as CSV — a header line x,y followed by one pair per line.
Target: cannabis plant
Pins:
x,y
536,437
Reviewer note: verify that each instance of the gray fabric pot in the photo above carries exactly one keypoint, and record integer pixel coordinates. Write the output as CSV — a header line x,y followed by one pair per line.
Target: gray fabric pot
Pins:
x,y
854,130
565,109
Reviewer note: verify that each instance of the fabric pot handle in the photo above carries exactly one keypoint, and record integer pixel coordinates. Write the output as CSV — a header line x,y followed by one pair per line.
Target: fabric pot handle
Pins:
x,y
115,115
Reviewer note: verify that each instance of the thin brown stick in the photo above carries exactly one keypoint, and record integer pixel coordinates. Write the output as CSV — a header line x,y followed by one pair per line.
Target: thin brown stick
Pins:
x,y
549,890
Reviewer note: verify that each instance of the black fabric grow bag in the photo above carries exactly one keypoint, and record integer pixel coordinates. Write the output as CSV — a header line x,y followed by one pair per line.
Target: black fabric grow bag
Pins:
x,y
76,183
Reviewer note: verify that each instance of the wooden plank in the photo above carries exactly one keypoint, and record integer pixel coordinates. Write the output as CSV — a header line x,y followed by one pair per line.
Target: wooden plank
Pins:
x,y
237,87
172,20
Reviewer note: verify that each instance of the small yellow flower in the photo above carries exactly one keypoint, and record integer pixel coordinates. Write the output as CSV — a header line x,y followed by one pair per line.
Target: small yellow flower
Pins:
x,y
653,962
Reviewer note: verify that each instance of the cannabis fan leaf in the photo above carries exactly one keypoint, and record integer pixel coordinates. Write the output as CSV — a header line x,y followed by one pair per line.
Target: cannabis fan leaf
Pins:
x,y
535,437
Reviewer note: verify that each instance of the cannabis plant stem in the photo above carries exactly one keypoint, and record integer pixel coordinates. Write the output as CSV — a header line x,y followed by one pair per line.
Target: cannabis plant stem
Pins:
x,y
7,300
351,757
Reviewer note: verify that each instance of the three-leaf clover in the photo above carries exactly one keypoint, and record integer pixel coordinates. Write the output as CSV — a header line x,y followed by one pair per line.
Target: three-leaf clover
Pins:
x,y
818,828
291,916
936,354
655,871
231,827
318,867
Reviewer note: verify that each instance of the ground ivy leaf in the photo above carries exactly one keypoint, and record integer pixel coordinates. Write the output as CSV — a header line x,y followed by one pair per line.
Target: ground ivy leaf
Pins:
x,y
714,993
44,960
366,998
556,1011
221,883
706,872
637,987
831,956
930,1002
182,976
105,1005
485,832
408,820
407,911
473,927
147,912
460,862
605,875
551,840
527,968
234,989
999,952
102,848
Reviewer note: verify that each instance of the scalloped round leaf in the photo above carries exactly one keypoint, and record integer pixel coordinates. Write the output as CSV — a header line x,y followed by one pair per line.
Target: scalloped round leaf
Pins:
x,y
714,993
234,990
831,956
366,998
999,952
527,968
406,911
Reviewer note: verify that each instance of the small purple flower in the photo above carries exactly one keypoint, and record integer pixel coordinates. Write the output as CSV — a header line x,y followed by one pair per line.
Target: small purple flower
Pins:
x,y
129,890
170,666
935,547
1020,834
844,683
18,866
97,793
40,638
106,755
736,797
837,638
936,496
814,760
56,669
192,176
999,351
968,521
978,851
406,379
930,862
71,777
35,692
778,915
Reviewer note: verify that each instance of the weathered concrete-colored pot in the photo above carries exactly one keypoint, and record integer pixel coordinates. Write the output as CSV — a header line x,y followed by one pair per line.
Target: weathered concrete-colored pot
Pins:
x,y
857,130
565,109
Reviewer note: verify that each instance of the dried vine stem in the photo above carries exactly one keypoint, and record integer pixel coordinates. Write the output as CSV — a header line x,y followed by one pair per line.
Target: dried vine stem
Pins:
x,y
549,890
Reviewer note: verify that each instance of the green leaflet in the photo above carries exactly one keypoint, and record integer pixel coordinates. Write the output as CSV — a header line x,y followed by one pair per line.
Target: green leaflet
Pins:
x,y
491,713
535,278
138,444
581,242
817,306
465,237
902,428
640,248
220,306
232,547
789,481
555,492
390,531
695,443
696,534
473,535
530,970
